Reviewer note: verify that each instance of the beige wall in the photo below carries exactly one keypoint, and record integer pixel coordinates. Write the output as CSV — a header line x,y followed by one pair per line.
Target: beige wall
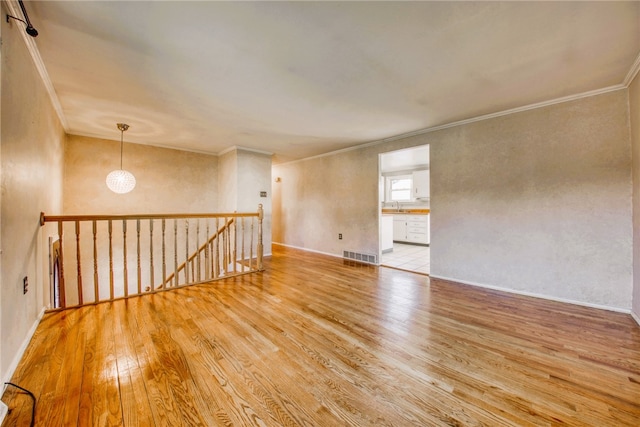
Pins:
x,y
228,181
167,181
253,178
536,202
319,198
31,166
243,175
634,112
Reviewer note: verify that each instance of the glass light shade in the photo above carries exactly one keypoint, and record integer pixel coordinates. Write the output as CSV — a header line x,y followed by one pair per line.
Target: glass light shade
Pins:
x,y
121,181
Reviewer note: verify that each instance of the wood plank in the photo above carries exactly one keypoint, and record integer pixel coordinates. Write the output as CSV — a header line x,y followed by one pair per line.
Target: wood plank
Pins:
x,y
136,408
315,340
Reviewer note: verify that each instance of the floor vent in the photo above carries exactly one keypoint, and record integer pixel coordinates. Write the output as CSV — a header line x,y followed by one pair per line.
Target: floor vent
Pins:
x,y
371,259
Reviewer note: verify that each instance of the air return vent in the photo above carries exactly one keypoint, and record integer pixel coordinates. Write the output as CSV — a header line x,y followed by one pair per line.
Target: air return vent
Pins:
x,y
356,256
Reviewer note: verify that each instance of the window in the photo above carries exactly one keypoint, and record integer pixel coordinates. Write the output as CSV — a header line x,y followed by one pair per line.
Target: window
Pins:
x,y
400,188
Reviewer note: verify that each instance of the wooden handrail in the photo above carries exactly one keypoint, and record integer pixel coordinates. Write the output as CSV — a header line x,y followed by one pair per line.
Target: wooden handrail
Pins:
x,y
106,248
55,218
197,252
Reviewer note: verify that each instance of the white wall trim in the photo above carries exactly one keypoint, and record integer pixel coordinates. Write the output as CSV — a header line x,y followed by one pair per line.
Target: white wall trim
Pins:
x,y
18,357
239,148
467,121
632,72
14,9
497,288
534,295
155,145
16,360
3,411
307,250
635,317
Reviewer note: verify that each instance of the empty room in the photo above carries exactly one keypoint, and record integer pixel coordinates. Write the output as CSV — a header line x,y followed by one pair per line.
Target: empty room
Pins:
x,y
200,201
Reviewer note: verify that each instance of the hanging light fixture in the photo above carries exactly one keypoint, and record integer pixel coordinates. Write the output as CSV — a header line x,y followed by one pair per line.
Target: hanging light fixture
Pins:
x,y
121,181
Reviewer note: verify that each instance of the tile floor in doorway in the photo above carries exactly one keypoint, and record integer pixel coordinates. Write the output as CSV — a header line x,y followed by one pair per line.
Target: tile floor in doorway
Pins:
x,y
408,257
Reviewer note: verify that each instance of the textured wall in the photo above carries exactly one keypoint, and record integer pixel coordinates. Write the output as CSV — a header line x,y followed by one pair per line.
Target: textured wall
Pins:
x,y
634,112
243,175
168,181
228,181
538,201
31,172
316,199
255,176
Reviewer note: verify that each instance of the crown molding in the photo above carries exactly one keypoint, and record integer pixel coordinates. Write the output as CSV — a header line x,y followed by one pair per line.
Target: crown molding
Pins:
x,y
239,148
14,9
633,71
468,121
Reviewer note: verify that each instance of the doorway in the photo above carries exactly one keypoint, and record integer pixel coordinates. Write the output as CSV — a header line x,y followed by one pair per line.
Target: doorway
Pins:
x,y
405,209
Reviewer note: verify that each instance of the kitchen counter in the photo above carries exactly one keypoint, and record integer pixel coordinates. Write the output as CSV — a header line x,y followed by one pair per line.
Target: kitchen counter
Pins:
x,y
392,211
410,225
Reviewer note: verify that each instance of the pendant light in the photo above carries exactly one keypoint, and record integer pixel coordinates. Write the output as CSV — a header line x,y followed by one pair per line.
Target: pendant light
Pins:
x,y
121,181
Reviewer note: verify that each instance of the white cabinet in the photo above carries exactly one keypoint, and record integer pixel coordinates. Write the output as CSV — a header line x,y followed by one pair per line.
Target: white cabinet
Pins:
x,y
421,184
399,228
386,237
411,228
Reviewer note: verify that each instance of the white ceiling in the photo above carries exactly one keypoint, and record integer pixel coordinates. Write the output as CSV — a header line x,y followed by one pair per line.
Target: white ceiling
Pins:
x,y
303,78
404,160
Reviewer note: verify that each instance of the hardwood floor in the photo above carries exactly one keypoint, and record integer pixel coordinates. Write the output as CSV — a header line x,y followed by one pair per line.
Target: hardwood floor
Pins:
x,y
318,341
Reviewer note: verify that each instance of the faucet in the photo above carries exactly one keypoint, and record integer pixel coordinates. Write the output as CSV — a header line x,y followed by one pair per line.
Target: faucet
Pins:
x,y
398,206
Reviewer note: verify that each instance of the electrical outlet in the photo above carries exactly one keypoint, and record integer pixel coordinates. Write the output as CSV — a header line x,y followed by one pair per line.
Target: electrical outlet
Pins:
x,y
340,236
25,285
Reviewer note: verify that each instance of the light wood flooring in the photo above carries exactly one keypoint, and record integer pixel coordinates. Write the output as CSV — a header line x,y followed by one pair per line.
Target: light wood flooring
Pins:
x,y
318,341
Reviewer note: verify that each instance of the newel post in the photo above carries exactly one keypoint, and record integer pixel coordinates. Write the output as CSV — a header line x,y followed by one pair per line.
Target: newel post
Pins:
x,y
260,247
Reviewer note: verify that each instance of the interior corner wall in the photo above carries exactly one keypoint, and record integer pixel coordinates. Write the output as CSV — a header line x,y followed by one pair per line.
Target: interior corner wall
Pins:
x,y
254,179
634,114
537,201
167,180
31,167
228,181
244,174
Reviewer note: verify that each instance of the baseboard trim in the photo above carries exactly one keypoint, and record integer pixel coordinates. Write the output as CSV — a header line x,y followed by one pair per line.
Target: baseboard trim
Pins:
x,y
534,295
307,250
18,357
3,411
635,317
16,360
499,288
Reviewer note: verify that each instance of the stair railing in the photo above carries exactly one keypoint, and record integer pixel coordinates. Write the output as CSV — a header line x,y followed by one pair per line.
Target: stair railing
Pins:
x,y
110,257
194,259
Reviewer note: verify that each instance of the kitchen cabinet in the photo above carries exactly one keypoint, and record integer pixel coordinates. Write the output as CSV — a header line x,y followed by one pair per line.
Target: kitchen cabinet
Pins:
x,y
411,228
386,237
399,228
421,184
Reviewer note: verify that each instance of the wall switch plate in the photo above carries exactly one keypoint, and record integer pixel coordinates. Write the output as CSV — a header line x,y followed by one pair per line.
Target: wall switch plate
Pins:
x,y
25,285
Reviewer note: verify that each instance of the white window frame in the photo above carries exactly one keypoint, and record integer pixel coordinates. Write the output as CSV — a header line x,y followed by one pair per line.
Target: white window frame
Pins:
x,y
389,193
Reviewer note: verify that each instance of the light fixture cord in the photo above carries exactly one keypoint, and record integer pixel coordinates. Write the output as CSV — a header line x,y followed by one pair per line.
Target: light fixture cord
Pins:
x,y
121,146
